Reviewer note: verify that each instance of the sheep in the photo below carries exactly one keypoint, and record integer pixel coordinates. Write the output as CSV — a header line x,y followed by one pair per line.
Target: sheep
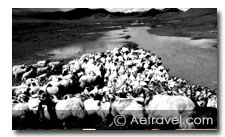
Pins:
x,y
92,68
212,101
113,75
33,104
31,82
55,82
25,115
75,65
97,110
69,111
123,72
128,107
203,113
66,83
18,73
89,80
43,63
94,91
92,107
37,66
52,90
43,70
104,111
68,76
29,74
16,67
56,66
33,90
23,98
55,78
123,105
21,115
65,69
61,86
42,77
170,106
17,90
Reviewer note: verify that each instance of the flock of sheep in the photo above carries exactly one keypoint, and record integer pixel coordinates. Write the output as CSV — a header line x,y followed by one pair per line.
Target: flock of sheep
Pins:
x,y
95,88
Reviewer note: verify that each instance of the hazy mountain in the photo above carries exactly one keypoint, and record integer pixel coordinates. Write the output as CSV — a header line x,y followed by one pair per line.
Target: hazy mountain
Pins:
x,y
78,13
81,13
191,14
152,12
171,10
198,12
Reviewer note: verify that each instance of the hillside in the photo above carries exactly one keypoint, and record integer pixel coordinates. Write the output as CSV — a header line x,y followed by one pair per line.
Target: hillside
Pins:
x,y
77,13
197,23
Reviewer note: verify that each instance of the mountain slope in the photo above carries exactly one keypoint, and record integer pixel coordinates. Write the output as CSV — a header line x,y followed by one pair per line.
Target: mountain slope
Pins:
x,y
72,14
196,23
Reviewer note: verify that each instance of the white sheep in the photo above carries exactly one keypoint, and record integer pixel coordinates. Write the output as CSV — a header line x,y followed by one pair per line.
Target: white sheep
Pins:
x,y
165,106
70,108
28,74
128,107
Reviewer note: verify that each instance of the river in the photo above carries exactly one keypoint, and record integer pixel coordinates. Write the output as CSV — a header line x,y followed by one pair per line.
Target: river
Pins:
x,y
193,60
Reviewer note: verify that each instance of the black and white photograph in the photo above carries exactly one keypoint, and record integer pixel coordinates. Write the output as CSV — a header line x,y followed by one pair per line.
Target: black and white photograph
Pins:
x,y
114,69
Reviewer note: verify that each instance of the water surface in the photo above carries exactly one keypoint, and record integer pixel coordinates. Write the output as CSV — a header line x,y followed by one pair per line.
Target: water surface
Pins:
x,y
109,41
193,60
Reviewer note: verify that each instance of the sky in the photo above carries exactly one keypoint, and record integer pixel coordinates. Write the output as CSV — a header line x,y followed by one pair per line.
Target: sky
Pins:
x,y
126,10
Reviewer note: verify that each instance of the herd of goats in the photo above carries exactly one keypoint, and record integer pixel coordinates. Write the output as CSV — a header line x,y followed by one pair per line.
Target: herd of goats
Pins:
x,y
90,91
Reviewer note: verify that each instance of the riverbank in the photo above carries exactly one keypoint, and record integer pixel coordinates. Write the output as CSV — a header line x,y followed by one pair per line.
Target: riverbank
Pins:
x,y
185,31
197,23
193,60
32,36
